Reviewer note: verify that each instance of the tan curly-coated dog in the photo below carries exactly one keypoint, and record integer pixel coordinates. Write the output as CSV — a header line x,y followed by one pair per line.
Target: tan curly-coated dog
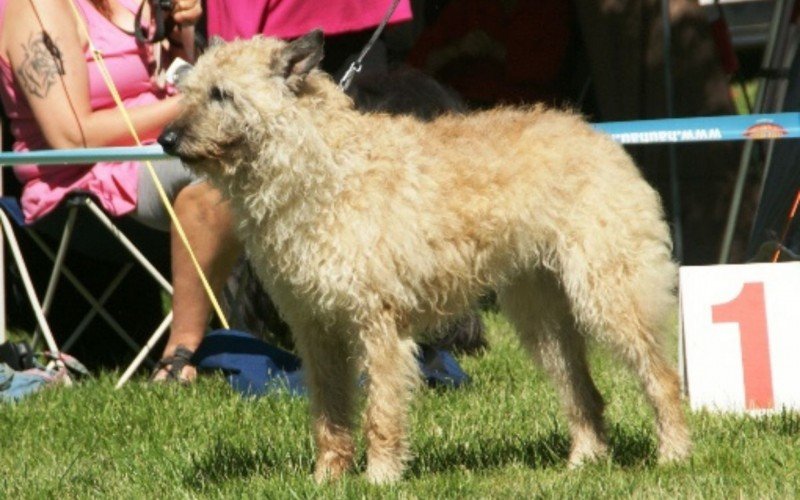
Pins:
x,y
367,229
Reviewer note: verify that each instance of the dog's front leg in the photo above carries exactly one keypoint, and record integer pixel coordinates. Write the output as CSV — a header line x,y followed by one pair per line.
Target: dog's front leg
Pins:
x,y
330,371
393,373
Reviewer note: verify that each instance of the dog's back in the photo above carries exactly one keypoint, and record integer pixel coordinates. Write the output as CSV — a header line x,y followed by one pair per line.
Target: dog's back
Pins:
x,y
492,190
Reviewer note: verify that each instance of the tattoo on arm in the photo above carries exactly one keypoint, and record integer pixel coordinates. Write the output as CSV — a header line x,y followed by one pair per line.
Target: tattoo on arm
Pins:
x,y
42,65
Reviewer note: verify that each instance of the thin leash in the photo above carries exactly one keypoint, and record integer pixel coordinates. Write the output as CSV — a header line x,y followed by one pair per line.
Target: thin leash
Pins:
x,y
357,65
98,58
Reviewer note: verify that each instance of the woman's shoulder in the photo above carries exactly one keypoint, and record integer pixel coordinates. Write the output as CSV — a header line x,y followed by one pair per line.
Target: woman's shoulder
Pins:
x,y
41,8
47,15
56,17
28,24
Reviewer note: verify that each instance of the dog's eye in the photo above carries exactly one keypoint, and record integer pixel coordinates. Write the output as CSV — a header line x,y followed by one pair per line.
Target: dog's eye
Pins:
x,y
218,94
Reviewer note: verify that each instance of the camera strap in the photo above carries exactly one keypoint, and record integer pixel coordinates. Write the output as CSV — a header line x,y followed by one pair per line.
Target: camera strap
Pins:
x,y
162,21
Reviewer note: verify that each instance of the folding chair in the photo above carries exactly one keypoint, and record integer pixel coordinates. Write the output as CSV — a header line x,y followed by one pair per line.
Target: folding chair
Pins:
x,y
11,217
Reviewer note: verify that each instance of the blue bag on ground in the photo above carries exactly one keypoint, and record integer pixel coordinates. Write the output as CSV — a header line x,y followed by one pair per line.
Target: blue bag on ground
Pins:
x,y
15,385
440,368
254,368
251,366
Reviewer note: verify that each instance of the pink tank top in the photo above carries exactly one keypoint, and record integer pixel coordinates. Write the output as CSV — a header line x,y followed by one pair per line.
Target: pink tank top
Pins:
x,y
231,19
113,183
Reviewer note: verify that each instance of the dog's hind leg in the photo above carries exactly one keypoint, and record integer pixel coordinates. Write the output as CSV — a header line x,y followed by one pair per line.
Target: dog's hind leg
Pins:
x,y
662,386
539,310
393,374
660,382
330,370
627,299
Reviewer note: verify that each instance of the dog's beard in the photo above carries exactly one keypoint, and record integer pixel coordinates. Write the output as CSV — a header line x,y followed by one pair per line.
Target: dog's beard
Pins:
x,y
202,158
198,163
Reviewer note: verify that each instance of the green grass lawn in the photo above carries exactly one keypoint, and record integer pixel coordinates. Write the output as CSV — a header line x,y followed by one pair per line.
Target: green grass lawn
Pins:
x,y
501,437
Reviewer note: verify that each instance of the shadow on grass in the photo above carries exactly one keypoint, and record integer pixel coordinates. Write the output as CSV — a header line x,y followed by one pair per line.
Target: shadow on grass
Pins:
x,y
489,453
225,461
632,447
629,448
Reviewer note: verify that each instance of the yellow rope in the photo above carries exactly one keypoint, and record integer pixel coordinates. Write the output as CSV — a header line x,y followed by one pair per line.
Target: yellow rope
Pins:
x,y
98,59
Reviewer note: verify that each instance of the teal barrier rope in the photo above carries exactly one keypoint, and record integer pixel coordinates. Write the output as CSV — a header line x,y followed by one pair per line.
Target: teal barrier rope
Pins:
x,y
664,131
84,155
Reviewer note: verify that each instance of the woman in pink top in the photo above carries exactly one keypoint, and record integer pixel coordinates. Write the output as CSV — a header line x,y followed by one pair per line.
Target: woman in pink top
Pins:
x,y
55,98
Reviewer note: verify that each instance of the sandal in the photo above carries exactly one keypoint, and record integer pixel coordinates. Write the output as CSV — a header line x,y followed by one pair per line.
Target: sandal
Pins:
x,y
174,365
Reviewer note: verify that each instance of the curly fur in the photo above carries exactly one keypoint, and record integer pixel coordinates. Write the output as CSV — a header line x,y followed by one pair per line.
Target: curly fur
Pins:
x,y
367,228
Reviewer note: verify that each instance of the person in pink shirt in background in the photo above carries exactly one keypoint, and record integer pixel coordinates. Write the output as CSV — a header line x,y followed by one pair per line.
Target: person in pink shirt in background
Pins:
x,y
347,24
54,97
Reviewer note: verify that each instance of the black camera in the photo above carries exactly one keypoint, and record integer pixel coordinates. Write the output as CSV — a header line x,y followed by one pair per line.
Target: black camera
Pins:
x,y
162,25
165,5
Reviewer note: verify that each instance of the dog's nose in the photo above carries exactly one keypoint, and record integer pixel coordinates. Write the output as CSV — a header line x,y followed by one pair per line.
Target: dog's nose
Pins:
x,y
168,140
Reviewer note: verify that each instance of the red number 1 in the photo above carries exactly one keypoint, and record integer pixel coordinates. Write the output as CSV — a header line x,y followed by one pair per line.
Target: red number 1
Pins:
x,y
749,311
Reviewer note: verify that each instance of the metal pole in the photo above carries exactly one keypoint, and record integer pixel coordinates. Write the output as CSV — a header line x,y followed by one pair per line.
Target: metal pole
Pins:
x,y
674,178
770,60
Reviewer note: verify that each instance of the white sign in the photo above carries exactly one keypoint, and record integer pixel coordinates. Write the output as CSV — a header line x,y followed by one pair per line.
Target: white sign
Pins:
x,y
740,335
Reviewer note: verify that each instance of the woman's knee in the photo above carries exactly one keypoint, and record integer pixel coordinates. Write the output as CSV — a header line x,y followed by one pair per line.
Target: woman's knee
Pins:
x,y
203,203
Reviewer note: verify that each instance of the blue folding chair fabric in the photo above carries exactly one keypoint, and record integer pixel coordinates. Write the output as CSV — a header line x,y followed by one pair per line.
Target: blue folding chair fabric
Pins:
x,y
11,206
254,368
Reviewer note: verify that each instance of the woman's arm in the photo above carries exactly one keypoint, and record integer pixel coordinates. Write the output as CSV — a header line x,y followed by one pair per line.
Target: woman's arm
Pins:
x,y
47,55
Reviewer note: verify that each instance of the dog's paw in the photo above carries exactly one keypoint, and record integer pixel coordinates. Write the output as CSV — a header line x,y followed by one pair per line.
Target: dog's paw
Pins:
x,y
331,466
587,452
384,472
674,452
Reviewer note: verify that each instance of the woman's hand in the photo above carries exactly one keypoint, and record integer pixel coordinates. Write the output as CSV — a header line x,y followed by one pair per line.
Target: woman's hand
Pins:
x,y
186,12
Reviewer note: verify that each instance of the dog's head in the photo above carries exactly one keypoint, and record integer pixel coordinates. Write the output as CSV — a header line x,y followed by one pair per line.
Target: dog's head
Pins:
x,y
235,95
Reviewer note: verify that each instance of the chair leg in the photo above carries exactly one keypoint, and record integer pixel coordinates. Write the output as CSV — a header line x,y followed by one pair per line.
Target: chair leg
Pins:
x,y
166,285
58,262
101,301
103,218
97,306
151,342
3,299
28,285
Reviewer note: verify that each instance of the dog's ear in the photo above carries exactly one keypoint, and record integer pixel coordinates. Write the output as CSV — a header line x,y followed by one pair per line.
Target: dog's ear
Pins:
x,y
300,56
